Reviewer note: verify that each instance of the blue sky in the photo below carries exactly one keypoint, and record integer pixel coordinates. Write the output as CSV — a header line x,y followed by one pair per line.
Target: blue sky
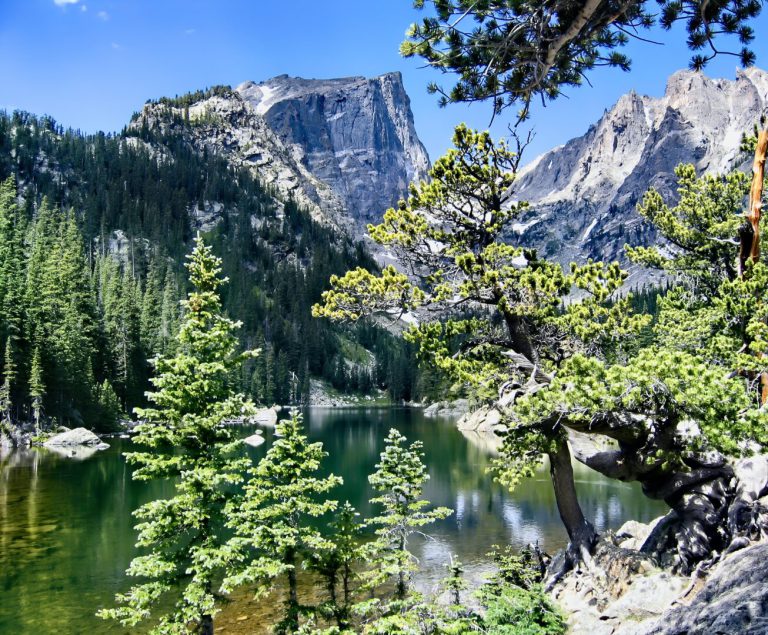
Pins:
x,y
91,63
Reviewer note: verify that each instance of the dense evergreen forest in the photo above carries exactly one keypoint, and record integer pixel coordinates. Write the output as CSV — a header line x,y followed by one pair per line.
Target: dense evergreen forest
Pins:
x,y
94,229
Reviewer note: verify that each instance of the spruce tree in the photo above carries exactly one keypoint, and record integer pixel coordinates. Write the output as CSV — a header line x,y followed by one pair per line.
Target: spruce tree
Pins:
x,y
274,525
9,378
187,438
36,387
399,478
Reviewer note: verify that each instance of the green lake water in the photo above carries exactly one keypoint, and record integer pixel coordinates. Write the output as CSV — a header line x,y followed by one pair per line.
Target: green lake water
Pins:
x,y
66,534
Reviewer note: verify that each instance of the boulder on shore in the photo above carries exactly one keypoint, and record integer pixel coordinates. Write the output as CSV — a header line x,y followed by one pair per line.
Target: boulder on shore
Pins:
x,y
624,592
734,599
447,408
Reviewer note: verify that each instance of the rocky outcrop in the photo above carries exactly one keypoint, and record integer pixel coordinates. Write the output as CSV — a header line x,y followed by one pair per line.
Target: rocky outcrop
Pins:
x,y
624,592
734,599
354,134
345,149
583,194
455,408
226,124
266,417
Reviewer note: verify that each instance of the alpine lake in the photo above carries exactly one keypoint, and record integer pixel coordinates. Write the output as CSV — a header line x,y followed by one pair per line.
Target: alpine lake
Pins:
x,y
66,529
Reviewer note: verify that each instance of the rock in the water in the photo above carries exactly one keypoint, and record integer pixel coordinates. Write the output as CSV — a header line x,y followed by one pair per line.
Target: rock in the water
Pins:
x,y
454,408
78,436
266,417
255,440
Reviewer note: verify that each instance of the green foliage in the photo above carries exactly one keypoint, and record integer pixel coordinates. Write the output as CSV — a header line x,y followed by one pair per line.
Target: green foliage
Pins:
x,y
702,228
399,479
116,182
518,568
507,53
109,405
274,523
36,387
186,437
335,563
500,308
517,611
713,312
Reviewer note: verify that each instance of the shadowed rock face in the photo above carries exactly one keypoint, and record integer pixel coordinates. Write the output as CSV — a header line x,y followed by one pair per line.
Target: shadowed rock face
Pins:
x,y
354,134
583,194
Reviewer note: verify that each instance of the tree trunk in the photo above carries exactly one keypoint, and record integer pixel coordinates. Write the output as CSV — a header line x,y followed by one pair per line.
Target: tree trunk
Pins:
x,y
714,504
292,619
580,531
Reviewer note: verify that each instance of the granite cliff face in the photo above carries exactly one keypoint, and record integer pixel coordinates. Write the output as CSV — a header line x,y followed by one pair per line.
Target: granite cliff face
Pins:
x,y
583,194
354,134
346,149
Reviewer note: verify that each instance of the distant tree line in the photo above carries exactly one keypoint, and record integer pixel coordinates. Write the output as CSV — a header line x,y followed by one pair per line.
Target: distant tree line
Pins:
x,y
122,291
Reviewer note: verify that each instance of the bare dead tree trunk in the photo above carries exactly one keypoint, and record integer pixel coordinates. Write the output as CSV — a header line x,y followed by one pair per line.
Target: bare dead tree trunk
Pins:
x,y
749,232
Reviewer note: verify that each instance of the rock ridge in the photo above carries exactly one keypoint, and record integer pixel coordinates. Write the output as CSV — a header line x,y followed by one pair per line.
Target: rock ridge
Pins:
x,y
583,194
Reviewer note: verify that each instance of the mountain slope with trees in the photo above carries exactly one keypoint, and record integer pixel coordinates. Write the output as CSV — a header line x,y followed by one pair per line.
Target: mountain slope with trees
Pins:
x,y
94,229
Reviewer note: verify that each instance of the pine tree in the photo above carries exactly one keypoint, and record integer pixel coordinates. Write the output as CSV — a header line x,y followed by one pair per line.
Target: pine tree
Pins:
x,y
187,439
9,379
36,387
109,405
335,562
151,310
274,528
399,478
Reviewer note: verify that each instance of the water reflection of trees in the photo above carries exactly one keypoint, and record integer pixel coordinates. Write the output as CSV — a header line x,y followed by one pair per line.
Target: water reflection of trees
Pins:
x,y
66,530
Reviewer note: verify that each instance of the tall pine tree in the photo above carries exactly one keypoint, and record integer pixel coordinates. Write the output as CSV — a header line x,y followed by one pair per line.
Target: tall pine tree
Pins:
x,y
187,438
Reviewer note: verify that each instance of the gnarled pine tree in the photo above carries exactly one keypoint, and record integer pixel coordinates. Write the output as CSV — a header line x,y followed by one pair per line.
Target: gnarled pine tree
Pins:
x,y
490,314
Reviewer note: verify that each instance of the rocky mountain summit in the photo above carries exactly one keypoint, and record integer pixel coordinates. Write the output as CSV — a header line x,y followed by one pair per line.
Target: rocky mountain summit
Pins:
x,y
345,149
355,134
583,194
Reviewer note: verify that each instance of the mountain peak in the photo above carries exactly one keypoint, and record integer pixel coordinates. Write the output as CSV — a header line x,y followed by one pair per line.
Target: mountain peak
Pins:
x,y
592,183
354,133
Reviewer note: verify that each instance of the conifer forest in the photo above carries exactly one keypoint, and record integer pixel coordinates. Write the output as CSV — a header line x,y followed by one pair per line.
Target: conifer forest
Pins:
x,y
267,366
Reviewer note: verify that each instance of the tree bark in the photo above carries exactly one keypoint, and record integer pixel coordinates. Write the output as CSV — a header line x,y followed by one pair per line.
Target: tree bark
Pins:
x,y
292,618
206,625
749,232
581,533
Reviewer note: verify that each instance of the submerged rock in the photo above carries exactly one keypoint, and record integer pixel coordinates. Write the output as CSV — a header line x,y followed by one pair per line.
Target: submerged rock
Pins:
x,y
76,437
255,440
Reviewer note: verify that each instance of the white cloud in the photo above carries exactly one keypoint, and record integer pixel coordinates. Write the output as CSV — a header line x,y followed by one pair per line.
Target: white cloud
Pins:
x,y
103,15
190,31
116,46
83,7
64,3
